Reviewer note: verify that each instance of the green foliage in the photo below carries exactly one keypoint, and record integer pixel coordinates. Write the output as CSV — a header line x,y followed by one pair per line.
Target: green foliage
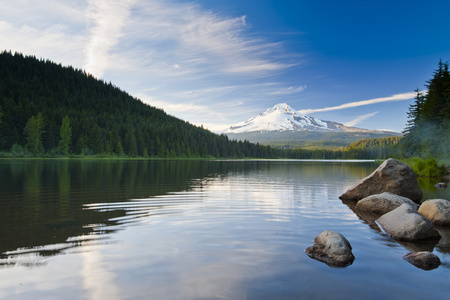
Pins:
x,y
103,119
426,167
428,130
34,129
1,115
380,148
66,136
19,151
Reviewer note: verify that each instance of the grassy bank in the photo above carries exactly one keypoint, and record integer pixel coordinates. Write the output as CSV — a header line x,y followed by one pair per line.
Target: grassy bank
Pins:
x,y
428,167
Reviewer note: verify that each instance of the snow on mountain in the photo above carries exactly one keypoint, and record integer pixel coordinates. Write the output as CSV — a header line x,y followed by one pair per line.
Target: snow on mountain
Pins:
x,y
282,117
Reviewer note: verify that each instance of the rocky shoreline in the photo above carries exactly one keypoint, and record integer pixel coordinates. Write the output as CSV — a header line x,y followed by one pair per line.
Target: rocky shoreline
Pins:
x,y
390,200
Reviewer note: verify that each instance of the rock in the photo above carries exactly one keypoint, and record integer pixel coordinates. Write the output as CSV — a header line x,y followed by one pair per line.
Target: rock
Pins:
x,y
405,223
424,260
391,176
441,185
383,203
444,231
436,210
331,248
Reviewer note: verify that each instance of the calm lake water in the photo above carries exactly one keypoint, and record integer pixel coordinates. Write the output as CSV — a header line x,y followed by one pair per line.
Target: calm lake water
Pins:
x,y
129,229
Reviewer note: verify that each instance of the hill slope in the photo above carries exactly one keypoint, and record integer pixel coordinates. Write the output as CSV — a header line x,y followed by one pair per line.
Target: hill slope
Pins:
x,y
103,119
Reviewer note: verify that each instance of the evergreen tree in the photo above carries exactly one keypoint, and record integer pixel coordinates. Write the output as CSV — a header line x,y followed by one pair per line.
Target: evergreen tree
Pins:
x,y
414,113
145,154
427,133
1,116
34,129
101,115
66,136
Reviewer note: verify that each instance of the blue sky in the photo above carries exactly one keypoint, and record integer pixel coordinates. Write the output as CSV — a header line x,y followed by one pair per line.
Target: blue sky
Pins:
x,y
218,63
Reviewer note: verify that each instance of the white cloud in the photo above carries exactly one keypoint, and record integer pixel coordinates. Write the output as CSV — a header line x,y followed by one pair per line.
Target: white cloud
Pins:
x,y
180,108
396,97
289,90
51,42
360,119
166,38
108,18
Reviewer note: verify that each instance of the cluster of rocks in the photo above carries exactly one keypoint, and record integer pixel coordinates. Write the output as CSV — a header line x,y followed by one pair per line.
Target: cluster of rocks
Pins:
x,y
392,194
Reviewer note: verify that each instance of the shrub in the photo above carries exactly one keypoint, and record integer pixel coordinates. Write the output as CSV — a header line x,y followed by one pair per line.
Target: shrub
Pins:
x,y
426,167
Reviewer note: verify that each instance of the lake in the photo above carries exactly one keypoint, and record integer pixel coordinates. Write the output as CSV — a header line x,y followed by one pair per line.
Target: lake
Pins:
x,y
174,229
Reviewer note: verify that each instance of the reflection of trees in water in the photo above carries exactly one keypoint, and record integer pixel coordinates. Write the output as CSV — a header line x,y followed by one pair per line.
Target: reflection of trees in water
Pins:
x,y
44,201
430,191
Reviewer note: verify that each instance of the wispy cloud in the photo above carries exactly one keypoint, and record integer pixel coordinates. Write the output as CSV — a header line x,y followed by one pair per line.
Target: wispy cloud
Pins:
x,y
288,90
360,119
196,64
174,54
180,108
396,97
173,39
108,18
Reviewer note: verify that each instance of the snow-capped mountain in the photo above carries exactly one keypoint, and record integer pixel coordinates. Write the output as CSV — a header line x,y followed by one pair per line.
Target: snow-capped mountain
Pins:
x,y
282,117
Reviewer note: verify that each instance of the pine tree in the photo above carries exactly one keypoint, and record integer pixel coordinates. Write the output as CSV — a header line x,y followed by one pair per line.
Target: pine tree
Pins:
x,y
1,116
145,154
66,136
428,126
33,132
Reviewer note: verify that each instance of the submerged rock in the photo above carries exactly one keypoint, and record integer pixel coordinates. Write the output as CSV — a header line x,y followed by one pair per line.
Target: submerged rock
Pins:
x,y
332,248
441,185
405,223
391,176
436,210
383,203
423,260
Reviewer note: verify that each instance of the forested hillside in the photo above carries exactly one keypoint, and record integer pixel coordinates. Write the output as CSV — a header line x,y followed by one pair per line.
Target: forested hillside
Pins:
x,y
46,108
50,110
374,148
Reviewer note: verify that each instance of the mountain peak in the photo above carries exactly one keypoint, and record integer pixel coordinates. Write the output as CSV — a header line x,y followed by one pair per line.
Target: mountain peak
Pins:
x,y
282,107
281,117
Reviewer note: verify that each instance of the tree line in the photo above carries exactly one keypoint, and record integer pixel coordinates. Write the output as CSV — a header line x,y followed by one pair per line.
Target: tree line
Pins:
x,y
48,109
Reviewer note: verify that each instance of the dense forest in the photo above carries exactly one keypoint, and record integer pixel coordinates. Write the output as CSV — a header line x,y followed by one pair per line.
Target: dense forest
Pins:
x,y
428,130
48,109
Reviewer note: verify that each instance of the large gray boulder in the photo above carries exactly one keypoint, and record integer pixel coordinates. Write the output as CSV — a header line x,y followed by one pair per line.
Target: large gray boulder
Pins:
x,y
405,223
436,210
332,248
391,176
424,260
383,203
